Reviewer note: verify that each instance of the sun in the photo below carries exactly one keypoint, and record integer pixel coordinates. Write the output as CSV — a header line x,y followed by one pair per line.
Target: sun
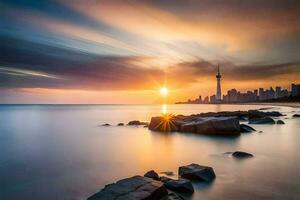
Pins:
x,y
164,91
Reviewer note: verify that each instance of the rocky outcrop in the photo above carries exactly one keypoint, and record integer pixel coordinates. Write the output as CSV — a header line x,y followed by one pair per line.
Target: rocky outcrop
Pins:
x,y
180,185
280,122
197,172
106,124
137,123
120,124
264,120
246,129
152,174
296,115
241,154
192,124
135,188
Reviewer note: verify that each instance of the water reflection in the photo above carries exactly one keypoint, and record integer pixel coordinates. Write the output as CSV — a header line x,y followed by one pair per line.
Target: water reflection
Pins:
x,y
164,109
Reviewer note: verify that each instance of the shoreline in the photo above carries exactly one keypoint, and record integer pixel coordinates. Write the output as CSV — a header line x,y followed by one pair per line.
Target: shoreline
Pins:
x,y
286,104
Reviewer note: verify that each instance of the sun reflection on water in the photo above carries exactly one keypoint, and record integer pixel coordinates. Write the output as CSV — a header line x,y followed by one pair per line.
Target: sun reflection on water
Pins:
x,y
164,109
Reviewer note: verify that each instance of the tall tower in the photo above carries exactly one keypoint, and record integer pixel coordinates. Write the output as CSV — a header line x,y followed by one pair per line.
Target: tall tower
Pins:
x,y
218,95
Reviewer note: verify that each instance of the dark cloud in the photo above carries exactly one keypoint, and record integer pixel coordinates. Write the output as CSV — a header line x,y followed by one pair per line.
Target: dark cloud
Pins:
x,y
24,64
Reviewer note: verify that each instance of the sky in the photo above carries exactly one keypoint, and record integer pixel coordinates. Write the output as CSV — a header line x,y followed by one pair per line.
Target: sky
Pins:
x,y
123,51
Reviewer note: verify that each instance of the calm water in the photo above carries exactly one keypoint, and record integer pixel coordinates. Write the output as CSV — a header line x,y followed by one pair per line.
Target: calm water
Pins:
x,y
61,152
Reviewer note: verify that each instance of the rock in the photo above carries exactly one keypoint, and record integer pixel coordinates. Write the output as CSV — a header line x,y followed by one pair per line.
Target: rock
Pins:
x,y
253,114
106,124
246,129
296,115
197,172
163,124
218,126
120,124
180,185
241,154
168,173
136,123
152,174
173,196
194,124
134,188
264,120
280,122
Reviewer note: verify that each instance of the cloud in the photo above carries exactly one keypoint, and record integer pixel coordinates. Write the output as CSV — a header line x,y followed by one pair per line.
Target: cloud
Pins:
x,y
30,65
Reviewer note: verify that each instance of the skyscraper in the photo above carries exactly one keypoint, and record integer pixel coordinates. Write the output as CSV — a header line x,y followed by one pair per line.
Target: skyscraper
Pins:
x,y
218,94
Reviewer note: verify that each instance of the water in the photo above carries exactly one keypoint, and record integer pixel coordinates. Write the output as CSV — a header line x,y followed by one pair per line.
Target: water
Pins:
x,y
61,152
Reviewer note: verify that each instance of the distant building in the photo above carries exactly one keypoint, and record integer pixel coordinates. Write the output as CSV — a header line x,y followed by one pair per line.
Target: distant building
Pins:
x,y
295,90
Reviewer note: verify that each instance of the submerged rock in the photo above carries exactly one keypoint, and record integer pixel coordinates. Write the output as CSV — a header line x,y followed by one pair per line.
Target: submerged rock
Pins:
x,y
180,185
296,115
264,120
246,129
152,174
135,188
241,154
280,122
120,124
136,123
106,124
197,172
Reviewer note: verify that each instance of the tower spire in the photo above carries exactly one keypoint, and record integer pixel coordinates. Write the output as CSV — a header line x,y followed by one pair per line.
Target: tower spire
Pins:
x,y
218,94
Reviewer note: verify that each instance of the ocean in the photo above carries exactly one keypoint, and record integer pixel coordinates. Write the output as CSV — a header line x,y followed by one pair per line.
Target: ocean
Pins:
x,y
62,152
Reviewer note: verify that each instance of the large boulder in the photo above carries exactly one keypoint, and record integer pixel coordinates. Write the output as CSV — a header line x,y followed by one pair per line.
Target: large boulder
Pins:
x,y
264,120
152,174
194,124
246,129
197,172
180,185
134,188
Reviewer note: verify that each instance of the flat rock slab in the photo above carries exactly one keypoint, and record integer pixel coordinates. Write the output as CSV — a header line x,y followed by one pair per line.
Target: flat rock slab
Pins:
x,y
134,188
197,172
180,185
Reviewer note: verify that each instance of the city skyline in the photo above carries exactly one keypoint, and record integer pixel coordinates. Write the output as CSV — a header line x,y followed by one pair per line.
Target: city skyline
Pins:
x,y
58,51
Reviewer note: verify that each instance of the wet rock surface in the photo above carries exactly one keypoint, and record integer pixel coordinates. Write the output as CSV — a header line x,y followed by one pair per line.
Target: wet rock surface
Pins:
x,y
241,154
197,172
134,188
280,122
264,120
200,125
173,196
246,129
137,123
152,174
180,185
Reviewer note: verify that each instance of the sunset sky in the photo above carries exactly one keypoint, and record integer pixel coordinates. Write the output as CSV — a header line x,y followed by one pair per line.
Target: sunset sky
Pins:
x,y
93,51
